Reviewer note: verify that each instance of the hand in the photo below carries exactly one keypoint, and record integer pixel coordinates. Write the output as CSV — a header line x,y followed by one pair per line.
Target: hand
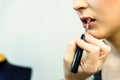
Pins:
x,y
97,52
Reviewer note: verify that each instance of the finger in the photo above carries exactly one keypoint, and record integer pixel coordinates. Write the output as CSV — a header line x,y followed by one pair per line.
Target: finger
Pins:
x,y
70,51
90,48
104,48
71,48
90,39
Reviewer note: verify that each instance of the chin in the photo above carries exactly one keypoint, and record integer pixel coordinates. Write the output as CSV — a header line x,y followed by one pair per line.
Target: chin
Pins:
x,y
98,35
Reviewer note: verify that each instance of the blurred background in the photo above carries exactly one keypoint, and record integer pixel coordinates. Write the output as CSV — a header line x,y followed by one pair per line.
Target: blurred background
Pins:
x,y
34,33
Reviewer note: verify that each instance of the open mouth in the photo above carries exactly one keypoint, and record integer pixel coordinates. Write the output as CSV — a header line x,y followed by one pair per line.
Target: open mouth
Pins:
x,y
87,21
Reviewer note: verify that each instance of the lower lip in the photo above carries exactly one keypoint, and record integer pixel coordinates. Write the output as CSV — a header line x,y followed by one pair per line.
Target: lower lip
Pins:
x,y
88,25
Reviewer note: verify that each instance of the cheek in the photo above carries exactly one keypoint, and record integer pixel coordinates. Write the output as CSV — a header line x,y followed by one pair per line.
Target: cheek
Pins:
x,y
104,4
107,13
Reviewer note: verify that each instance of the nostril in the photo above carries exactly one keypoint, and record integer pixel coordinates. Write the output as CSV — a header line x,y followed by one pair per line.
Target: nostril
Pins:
x,y
78,8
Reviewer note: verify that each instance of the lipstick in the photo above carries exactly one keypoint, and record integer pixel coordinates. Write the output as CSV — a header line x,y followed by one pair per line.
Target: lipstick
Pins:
x,y
78,53
87,25
77,58
87,21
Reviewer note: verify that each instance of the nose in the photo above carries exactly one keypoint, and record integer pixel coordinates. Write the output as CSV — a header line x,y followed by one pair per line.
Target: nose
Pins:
x,y
80,4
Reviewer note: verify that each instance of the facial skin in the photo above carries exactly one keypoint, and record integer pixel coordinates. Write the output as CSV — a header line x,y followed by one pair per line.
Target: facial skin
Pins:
x,y
107,25
106,13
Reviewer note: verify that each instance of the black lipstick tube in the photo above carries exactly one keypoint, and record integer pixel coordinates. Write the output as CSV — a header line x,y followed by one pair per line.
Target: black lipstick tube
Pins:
x,y
77,58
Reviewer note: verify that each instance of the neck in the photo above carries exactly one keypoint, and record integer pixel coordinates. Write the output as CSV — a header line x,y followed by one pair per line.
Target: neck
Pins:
x,y
115,41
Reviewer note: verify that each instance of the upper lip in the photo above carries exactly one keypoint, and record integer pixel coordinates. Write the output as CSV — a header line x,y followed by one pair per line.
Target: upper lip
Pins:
x,y
85,19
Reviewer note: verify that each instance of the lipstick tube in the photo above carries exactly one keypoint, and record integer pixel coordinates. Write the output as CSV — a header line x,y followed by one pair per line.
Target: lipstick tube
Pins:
x,y
77,58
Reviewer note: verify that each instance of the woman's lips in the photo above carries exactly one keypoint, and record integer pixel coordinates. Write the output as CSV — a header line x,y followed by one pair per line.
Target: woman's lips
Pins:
x,y
87,22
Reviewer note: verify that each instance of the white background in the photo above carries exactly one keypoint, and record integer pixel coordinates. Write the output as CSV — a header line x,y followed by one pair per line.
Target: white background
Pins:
x,y
34,33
